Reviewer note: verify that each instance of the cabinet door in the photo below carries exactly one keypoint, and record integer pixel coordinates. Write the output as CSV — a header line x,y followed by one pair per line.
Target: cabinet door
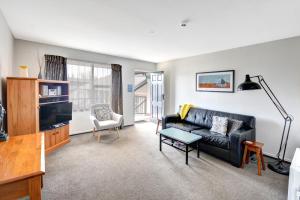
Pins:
x,y
47,139
53,138
65,132
50,139
22,106
58,138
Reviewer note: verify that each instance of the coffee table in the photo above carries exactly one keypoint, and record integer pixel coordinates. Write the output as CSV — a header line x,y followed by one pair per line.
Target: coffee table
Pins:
x,y
183,137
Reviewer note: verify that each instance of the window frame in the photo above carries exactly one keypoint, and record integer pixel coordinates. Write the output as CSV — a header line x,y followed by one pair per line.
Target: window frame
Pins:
x,y
93,85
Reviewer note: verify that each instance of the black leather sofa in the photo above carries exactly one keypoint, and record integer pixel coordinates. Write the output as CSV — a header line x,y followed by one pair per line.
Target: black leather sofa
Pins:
x,y
199,121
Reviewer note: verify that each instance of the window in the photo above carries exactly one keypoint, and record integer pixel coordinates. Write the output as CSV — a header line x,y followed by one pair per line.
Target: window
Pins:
x,y
90,83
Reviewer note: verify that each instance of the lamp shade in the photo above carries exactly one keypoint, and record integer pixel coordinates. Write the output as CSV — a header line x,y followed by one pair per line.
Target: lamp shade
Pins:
x,y
248,84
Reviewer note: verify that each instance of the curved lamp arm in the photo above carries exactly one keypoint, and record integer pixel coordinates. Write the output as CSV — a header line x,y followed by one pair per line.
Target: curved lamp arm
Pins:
x,y
272,96
279,166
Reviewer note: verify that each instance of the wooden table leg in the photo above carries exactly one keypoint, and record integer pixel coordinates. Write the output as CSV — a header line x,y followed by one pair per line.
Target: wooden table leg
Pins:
x,y
35,192
255,147
158,122
244,156
258,162
262,160
98,137
248,156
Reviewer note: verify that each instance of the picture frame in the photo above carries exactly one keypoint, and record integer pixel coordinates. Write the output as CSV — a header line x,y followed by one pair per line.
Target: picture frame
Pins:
x,y
215,81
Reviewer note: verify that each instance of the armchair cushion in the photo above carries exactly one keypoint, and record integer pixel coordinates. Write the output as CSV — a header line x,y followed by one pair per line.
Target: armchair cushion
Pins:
x,y
103,112
103,125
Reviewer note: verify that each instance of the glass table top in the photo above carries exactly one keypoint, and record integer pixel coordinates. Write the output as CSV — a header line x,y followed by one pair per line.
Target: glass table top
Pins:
x,y
180,135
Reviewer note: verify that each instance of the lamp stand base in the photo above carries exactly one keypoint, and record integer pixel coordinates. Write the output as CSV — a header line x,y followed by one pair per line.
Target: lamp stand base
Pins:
x,y
280,167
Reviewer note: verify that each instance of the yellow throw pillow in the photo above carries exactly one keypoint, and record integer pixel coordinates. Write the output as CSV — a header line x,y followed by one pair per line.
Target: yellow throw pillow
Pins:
x,y
185,108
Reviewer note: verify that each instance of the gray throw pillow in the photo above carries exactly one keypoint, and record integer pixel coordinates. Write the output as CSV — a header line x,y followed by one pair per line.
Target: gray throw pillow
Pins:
x,y
233,125
103,113
219,125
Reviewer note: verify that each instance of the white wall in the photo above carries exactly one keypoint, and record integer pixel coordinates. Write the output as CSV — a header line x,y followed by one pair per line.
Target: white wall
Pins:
x,y
278,62
6,51
29,53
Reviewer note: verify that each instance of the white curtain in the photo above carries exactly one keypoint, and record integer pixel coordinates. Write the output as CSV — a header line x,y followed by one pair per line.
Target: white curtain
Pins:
x,y
102,83
90,83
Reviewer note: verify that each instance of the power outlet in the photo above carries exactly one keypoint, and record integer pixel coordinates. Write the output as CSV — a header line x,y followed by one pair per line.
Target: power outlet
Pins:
x,y
298,195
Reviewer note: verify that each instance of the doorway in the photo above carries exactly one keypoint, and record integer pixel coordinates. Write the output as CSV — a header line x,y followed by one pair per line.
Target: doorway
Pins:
x,y
142,111
148,96
157,96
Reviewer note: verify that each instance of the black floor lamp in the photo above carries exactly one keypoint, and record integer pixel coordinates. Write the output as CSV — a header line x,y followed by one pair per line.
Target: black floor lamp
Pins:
x,y
279,166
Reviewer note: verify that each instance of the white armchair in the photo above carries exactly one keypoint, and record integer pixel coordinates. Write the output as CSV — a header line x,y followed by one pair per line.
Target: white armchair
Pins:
x,y
103,118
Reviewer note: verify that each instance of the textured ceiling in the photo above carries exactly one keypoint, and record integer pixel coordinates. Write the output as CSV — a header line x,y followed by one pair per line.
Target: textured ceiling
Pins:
x,y
150,29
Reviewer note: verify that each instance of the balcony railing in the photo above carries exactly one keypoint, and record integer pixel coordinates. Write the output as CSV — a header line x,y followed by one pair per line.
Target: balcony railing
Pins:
x,y
140,104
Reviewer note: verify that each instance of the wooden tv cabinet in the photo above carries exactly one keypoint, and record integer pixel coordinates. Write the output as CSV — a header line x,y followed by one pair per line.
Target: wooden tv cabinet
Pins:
x,y
24,98
56,138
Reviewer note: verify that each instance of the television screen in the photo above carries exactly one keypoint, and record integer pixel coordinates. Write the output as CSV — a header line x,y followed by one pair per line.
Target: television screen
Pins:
x,y
55,113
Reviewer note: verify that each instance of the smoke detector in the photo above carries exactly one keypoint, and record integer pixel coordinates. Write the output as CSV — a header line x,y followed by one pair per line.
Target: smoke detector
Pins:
x,y
184,23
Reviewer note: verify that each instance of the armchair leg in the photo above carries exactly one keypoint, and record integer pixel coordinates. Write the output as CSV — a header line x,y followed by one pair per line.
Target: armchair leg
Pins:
x,y
98,137
94,130
158,123
118,133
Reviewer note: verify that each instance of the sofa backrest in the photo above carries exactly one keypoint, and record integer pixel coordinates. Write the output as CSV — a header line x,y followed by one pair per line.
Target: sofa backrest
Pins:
x,y
203,117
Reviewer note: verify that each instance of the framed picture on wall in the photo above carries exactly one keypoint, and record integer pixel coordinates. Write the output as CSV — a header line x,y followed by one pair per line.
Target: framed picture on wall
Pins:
x,y
215,81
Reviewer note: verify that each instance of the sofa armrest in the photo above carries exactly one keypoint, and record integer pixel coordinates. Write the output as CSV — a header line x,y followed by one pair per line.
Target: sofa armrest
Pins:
x,y
170,118
236,144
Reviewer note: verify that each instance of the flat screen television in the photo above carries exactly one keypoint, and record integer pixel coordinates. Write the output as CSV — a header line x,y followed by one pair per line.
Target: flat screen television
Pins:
x,y
55,113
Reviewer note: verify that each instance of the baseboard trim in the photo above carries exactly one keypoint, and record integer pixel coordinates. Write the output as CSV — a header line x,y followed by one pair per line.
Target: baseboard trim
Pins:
x,y
275,157
74,134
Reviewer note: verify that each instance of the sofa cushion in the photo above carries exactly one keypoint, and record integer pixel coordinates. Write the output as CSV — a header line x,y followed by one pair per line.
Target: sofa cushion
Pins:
x,y
183,126
219,125
204,117
233,125
212,138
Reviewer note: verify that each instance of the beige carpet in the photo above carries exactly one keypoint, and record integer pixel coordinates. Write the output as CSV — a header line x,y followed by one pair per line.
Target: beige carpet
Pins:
x,y
132,167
